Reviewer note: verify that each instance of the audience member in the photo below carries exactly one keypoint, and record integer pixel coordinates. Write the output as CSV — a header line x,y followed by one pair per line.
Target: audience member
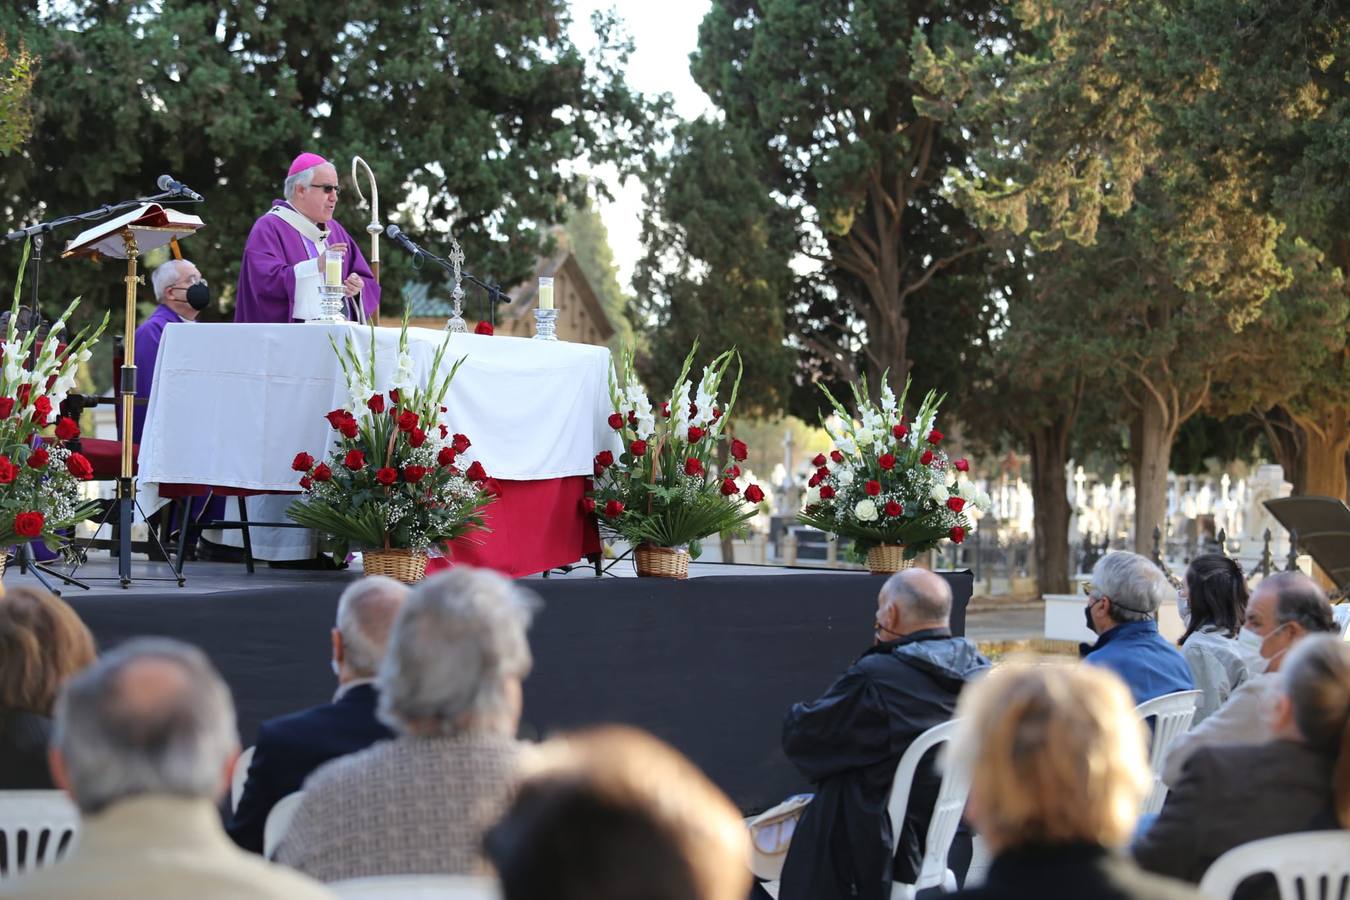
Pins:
x,y
849,741
614,814
144,742
1122,609
1212,603
1300,781
290,748
1058,769
1285,608
42,643
450,687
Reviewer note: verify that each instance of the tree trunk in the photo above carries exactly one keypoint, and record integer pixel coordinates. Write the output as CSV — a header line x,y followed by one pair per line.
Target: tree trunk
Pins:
x,y
1324,447
1151,436
1286,438
1050,504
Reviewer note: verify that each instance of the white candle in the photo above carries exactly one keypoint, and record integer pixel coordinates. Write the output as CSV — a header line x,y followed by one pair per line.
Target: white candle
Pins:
x,y
332,268
545,293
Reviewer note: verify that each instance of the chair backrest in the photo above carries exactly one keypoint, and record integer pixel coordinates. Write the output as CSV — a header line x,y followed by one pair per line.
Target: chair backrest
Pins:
x,y
947,811
417,887
37,827
279,820
239,776
1313,865
1171,715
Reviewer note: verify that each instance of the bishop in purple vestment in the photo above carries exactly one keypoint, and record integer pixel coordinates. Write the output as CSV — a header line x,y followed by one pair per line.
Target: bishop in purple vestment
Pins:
x,y
283,247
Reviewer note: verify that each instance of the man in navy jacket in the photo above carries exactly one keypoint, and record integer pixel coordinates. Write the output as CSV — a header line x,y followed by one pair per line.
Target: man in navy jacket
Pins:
x,y
289,748
848,743
1122,609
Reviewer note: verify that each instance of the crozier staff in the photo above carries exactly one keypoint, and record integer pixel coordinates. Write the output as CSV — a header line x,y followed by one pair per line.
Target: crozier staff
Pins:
x,y
280,276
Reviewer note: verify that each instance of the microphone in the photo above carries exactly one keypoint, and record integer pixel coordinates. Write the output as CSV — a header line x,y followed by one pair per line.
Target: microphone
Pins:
x,y
167,183
396,235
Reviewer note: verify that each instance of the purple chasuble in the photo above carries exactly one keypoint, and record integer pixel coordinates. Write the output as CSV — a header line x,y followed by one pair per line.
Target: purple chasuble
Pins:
x,y
147,354
266,291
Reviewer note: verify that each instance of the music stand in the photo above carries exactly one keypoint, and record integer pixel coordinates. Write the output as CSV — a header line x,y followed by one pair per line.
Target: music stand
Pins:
x,y
1321,526
148,227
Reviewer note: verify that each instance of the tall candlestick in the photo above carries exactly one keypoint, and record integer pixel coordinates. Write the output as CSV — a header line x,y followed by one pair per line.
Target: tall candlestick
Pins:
x,y
545,292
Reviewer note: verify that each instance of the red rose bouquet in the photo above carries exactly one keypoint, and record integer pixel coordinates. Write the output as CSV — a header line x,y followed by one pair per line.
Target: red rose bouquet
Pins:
x,y
661,490
888,481
393,479
40,494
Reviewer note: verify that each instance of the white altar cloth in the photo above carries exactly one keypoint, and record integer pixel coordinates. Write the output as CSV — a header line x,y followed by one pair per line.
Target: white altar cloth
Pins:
x,y
232,404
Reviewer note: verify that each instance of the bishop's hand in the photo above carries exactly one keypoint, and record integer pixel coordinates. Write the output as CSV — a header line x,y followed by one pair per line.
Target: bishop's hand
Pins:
x,y
352,286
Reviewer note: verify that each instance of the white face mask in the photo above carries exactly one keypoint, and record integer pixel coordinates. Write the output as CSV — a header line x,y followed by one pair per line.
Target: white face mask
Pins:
x,y
1253,641
337,670
1184,609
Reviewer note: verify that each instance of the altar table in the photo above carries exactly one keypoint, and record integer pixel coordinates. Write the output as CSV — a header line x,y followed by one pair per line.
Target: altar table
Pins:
x,y
232,404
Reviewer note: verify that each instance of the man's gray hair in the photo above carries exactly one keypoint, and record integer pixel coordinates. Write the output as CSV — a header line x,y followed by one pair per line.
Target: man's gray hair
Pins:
x,y
303,177
458,641
167,275
1134,585
920,595
118,742
1299,599
365,616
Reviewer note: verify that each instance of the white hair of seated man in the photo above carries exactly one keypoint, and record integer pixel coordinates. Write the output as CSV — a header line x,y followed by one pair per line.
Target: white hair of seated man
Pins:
x,y
166,275
457,656
152,717
365,617
1135,585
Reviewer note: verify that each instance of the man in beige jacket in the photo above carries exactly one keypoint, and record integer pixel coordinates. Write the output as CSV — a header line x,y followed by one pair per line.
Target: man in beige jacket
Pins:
x,y
144,742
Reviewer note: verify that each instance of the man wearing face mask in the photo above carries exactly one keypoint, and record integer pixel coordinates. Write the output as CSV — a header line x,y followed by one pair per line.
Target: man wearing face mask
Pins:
x,y
1285,608
1122,609
291,747
848,743
182,294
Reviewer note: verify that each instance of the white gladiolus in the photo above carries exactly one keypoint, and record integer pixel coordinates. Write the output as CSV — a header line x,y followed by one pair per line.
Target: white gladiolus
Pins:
x,y
845,446
845,476
863,436
812,496
887,398
84,355
865,511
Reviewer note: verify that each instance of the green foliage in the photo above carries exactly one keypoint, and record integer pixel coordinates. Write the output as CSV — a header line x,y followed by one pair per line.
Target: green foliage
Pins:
x,y
716,264
587,237
17,71
468,109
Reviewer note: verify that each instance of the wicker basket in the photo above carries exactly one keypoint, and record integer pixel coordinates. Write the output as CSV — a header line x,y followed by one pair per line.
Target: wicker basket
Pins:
x,y
887,559
661,562
406,566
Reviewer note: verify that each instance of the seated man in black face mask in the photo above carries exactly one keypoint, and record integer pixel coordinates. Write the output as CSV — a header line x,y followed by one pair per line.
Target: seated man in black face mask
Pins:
x,y
182,293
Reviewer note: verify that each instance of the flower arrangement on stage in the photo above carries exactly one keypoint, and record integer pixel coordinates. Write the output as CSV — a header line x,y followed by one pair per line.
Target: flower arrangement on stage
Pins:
x,y
660,493
40,481
392,484
887,484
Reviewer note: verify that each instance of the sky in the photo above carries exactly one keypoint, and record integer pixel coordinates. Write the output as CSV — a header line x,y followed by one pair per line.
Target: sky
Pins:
x,y
664,34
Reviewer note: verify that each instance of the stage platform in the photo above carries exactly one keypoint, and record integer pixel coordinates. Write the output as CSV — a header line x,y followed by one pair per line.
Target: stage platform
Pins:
x,y
709,664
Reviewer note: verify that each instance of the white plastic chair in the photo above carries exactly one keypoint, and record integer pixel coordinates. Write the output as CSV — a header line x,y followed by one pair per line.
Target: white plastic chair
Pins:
x,y
239,776
1314,865
279,822
947,811
417,887
45,821
1171,715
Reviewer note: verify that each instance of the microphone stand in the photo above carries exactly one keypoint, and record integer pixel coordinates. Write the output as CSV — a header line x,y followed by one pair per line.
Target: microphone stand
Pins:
x,y
37,233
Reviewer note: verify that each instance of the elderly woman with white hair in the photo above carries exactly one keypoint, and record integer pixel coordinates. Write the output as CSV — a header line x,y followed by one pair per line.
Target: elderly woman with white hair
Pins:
x,y
1058,770
450,687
